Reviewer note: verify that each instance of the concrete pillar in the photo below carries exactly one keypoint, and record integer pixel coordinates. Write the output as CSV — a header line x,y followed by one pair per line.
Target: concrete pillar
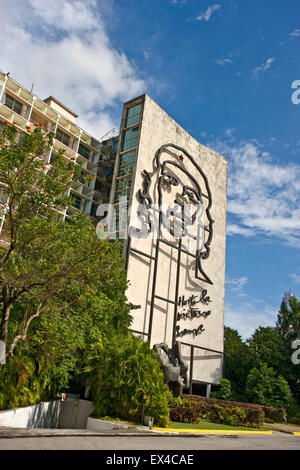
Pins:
x,y
208,390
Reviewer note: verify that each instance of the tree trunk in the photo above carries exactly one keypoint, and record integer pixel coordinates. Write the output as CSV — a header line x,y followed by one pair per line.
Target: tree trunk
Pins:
x,y
23,335
4,323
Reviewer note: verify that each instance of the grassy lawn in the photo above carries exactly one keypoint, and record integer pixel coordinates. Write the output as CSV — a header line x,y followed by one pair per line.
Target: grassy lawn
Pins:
x,y
115,420
205,424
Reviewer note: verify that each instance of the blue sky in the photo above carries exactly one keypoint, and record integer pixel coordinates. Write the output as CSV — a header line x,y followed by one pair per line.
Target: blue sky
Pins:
x,y
222,69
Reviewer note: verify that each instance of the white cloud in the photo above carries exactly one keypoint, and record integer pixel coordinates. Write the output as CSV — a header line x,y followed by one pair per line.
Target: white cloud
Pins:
x,y
178,2
245,318
295,278
233,229
229,132
73,16
236,285
223,61
265,66
63,47
263,196
295,34
205,15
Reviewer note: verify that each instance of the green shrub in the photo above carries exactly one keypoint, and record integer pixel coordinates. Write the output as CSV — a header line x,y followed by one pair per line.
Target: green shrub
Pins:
x,y
264,388
293,412
281,395
174,402
255,415
27,380
255,412
277,415
126,380
224,392
232,416
194,407
189,411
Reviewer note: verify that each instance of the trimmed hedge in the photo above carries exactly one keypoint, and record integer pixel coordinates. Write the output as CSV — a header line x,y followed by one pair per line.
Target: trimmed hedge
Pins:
x,y
190,408
187,411
278,415
232,416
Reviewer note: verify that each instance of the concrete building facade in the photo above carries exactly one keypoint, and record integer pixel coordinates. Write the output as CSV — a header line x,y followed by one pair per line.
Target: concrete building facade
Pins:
x,y
178,284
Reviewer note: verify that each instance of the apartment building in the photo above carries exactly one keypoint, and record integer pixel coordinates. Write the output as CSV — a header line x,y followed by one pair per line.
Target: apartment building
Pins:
x,y
21,107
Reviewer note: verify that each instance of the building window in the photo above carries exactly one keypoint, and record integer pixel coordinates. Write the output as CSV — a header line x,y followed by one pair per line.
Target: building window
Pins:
x,y
94,208
121,219
98,185
133,115
84,151
122,188
115,145
94,157
126,163
63,137
77,201
130,138
13,104
109,173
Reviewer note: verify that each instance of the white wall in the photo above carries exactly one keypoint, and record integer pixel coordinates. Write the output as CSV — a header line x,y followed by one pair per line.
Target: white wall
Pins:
x,y
42,415
69,414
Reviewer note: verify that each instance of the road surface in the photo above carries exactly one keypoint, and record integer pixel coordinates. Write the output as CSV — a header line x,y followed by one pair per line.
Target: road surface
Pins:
x,y
276,441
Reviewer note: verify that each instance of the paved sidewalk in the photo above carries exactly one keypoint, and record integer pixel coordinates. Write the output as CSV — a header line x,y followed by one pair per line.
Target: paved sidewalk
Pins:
x,y
136,431
282,427
9,433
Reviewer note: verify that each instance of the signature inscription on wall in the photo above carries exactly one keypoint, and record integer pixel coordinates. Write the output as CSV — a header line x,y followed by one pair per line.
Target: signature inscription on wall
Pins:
x,y
190,311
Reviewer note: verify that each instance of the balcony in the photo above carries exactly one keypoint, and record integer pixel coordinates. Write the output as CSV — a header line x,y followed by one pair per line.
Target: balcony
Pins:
x,y
8,115
45,109
82,188
46,126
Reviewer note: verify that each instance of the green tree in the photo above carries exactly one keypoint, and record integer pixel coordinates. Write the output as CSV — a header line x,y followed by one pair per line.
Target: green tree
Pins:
x,y
224,392
61,287
288,318
281,393
266,345
52,265
288,326
237,362
264,388
55,349
259,385
126,379
30,188
49,266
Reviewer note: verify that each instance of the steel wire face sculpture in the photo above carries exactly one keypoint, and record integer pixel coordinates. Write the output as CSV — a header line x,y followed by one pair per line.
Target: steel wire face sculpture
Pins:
x,y
169,171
